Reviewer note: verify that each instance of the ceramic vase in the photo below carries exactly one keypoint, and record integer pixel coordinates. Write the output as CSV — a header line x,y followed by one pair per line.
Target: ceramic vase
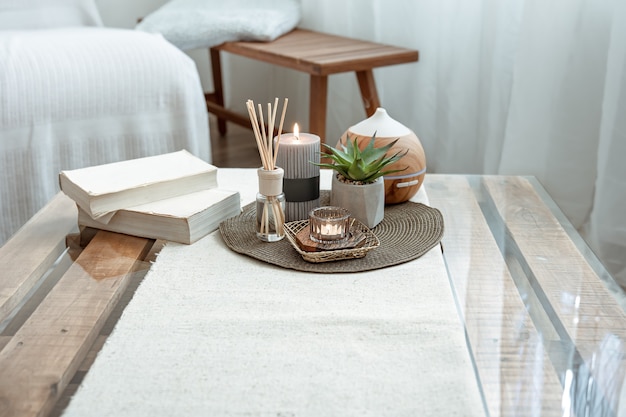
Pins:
x,y
399,186
366,202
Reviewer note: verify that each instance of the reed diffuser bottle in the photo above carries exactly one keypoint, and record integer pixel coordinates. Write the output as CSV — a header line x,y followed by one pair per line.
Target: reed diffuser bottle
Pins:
x,y
270,200
270,205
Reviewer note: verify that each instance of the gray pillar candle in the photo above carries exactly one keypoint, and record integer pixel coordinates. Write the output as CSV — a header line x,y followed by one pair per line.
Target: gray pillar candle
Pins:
x,y
301,182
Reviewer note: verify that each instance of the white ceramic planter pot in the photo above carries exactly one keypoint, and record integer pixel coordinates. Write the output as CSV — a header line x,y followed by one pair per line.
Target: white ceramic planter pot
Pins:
x,y
365,202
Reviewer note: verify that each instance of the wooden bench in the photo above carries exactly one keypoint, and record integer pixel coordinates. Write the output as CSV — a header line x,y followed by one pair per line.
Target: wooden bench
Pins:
x,y
317,54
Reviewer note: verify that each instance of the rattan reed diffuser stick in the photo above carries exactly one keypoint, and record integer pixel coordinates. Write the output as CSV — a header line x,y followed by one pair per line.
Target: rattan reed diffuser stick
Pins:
x,y
268,154
255,129
280,127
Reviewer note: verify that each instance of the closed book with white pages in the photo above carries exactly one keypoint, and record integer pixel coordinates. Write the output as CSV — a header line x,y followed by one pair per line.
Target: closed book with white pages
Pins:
x,y
183,219
102,189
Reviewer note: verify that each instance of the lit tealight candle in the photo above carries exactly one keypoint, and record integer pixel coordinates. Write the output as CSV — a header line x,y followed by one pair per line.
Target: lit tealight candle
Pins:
x,y
301,182
329,224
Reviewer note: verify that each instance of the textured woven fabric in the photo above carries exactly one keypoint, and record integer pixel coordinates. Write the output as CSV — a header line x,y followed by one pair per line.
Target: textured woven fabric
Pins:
x,y
211,332
71,98
407,232
190,24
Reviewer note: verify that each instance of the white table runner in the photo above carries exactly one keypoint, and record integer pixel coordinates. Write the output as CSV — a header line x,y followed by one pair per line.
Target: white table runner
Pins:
x,y
211,332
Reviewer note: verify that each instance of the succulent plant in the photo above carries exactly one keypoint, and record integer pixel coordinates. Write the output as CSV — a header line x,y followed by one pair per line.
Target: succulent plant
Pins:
x,y
357,165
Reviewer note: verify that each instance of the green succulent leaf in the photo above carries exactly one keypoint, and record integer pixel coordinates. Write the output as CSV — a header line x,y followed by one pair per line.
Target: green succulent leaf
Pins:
x,y
365,165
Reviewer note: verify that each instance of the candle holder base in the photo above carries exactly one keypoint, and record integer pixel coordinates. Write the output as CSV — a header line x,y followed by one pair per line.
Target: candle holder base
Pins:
x,y
292,229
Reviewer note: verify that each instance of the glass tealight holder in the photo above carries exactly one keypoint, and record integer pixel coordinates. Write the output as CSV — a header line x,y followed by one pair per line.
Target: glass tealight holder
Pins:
x,y
329,224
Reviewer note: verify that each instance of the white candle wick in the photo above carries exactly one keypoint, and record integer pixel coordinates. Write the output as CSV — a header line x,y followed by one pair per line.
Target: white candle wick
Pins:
x,y
296,131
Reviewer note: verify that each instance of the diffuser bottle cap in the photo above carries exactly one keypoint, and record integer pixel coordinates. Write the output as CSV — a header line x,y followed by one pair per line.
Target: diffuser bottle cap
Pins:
x,y
271,181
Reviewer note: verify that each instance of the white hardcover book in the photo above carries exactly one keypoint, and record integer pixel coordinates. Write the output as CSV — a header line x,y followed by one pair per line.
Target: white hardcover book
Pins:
x,y
103,189
183,219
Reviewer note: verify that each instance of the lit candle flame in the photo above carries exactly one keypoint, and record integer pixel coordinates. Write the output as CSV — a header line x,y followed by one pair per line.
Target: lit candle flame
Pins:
x,y
296,131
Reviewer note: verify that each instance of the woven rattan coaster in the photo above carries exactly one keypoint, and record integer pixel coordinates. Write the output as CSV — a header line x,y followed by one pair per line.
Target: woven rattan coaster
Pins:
x,y
408,231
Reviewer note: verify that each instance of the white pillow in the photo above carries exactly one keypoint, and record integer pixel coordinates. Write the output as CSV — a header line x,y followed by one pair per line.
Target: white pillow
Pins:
x,y
46,14
190,24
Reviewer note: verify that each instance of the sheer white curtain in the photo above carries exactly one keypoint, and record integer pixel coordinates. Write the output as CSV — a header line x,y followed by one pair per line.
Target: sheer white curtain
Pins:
x,y
502,87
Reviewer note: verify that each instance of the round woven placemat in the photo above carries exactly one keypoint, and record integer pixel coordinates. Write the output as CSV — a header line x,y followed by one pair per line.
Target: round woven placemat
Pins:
x,y
408,231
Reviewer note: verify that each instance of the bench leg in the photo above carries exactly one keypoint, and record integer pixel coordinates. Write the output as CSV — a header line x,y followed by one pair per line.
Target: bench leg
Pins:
x,y
317,105
218,89
369,95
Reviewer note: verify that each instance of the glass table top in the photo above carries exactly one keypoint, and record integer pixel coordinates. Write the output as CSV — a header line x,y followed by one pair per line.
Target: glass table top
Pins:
x,y
544,321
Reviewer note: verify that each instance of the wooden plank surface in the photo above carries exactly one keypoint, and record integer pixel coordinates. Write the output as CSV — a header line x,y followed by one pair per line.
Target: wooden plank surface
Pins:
x,y
322,54
583,310
514,369
33,250
107,328
41,358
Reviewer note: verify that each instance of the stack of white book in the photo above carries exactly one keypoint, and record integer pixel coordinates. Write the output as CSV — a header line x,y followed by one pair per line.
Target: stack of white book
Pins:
x,y
174,196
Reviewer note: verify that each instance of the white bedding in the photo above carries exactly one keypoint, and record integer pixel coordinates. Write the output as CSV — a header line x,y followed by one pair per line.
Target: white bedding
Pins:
x,y
76,97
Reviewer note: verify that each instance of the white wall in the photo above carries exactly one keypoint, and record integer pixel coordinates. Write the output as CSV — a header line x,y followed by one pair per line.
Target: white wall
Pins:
x,y
125,14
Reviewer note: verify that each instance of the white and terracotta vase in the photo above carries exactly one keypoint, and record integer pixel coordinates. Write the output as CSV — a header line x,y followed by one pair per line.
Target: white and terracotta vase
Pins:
x,y
400,186
365,202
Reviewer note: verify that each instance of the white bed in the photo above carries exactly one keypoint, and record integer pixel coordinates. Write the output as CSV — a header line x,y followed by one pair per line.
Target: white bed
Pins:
x,y
78,96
